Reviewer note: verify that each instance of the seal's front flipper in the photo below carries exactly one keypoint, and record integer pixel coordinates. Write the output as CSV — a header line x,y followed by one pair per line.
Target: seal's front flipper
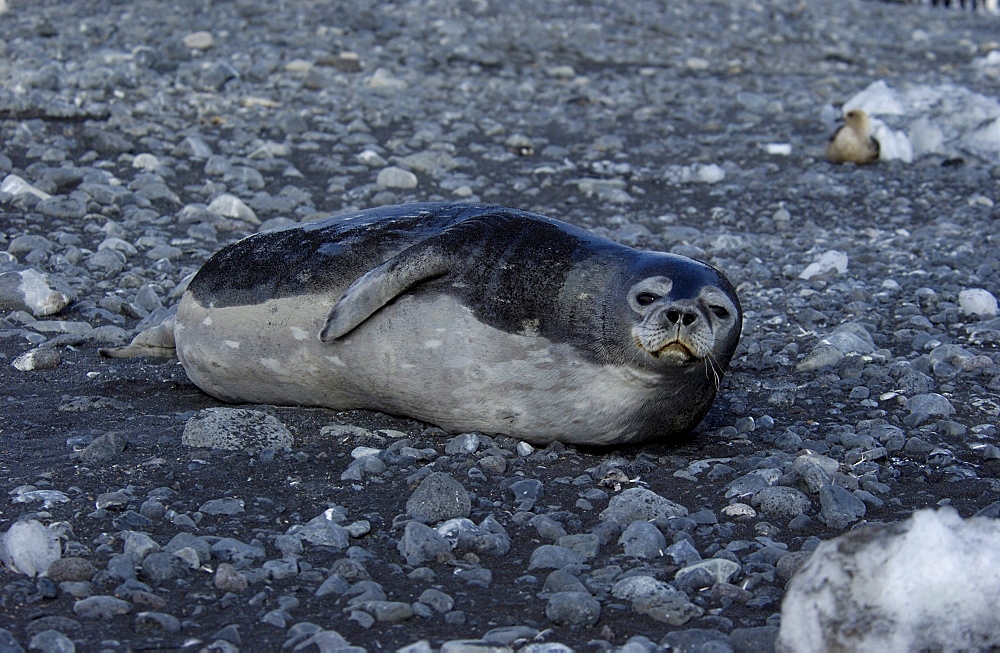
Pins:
x,y
157,341
376,288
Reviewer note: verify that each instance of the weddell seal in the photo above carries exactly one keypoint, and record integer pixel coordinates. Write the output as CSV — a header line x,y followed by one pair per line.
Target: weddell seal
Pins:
x,y
470,317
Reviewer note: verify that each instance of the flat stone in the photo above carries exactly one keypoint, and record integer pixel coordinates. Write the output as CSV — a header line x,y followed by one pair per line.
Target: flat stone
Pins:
x,y
236,429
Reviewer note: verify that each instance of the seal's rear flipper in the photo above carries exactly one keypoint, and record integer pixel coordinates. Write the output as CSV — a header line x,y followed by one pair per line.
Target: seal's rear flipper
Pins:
x,y
157,341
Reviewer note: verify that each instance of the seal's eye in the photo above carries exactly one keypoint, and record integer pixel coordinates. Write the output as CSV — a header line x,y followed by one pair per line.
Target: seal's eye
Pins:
x,y
719,311
645,298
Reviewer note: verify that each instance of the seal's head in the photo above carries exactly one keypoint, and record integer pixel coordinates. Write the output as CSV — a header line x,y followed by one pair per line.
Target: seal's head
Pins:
x,y
681,313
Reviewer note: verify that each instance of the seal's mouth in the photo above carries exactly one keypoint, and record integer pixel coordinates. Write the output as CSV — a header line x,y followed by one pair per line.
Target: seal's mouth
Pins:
x,y
675,351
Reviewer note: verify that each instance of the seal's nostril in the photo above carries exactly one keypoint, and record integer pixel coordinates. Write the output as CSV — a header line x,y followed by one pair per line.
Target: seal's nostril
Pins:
x,y
678,316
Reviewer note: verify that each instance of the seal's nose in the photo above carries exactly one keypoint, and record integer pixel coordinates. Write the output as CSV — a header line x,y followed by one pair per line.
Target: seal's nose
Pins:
x,y
676,315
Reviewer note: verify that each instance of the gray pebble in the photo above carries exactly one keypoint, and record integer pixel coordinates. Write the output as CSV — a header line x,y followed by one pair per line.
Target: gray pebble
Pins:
x,y
527,491
227,506
101,607
387,611
51,641
932,404
699,640
421,543
239,553
781,501
639,503
438,600
439,497
573,609
587,544
839,508
156,622
236,429
672,608
105,447
641,539
551,556
161,566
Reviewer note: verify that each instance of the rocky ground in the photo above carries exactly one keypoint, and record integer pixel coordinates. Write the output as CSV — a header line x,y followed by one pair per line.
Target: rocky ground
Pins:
x,y
139,137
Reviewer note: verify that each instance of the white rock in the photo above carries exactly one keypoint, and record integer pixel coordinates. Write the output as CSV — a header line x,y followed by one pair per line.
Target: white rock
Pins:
x,y
14,185
270,149
29,547
199,40
831,261
146,161
977,301
709,173
42,358
299,66
371,158
697,63
382,79
364,452
564,72
397,178
929,583
779,149
230,206
30,290
739,510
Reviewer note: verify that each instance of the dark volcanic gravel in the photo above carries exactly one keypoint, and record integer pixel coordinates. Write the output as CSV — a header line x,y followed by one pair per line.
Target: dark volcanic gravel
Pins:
x,y
136,138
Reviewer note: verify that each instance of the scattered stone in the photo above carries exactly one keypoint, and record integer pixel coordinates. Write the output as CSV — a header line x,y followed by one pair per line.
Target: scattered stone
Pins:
x,y
978,301
230,206
781,501
640,503
199,40
439,497
572,609
40,358
228,579
421,543
641,539
29,547
30,290
396,178
101,607
236,429
838,507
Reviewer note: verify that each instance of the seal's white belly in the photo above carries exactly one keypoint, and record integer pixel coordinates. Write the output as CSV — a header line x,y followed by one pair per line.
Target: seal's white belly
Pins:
x,y
427,357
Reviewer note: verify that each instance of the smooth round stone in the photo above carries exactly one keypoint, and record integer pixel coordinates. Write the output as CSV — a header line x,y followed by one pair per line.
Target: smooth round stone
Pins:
x,y
101,607
551,556
396,179
573,609
977,301
199,40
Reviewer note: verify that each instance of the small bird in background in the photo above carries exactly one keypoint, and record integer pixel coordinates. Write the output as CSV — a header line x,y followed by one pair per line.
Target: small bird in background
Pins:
x,y
853,141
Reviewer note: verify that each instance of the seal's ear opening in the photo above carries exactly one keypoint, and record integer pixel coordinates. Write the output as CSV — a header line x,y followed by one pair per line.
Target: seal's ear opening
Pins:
x,y
379,286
